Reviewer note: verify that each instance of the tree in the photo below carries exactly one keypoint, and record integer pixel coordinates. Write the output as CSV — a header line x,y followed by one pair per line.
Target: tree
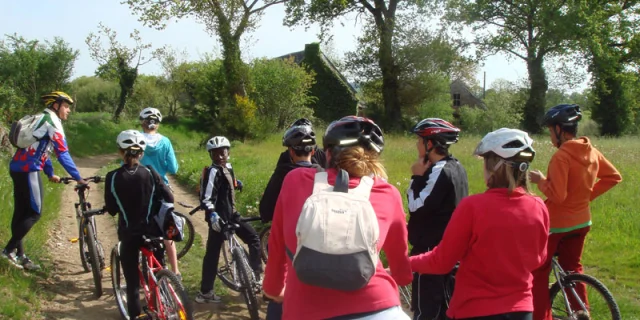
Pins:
x,y
174,79
118,62
229,20
94,94
530,30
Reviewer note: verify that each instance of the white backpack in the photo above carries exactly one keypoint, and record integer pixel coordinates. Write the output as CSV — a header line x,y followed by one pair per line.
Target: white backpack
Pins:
x,y
337,235
21,133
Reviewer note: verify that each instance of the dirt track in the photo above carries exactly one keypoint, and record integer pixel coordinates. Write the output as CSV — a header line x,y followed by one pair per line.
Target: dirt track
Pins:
x,y
72,287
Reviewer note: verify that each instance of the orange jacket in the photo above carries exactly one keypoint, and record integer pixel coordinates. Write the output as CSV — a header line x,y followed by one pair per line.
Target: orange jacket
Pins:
x,y
580,168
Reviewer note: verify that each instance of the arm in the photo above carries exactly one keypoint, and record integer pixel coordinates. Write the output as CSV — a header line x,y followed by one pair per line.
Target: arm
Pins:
x,y
452,248
270,196
275,271
48,167
109,199
554,186
62,153
172,162
607,175
395,245
208,190
425,193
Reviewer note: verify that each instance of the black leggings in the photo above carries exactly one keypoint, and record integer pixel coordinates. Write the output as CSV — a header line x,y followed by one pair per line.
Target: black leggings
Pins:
x,y
505,316
129,249
27,197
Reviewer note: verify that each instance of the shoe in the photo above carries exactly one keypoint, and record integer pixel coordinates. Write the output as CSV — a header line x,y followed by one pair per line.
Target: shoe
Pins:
x,y
143,316
208,297
27,264
12,259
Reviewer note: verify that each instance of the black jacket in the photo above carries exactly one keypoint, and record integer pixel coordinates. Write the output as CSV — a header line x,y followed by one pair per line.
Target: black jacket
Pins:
x,y
272,191
432,199
318,158
217,191
135,194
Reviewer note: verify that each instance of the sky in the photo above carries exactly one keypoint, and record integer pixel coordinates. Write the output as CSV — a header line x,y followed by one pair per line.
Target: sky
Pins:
x,y
73,20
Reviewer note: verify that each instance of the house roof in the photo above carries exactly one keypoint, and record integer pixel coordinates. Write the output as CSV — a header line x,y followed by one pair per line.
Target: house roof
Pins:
x,y
465,87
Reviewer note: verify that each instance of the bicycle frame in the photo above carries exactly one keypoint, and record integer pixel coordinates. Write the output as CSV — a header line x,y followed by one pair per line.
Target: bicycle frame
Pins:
x,y
152,289
559,273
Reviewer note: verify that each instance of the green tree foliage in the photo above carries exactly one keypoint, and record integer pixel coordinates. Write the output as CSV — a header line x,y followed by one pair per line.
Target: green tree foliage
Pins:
x,y
530,30
30,68
505,104
118,62
95,94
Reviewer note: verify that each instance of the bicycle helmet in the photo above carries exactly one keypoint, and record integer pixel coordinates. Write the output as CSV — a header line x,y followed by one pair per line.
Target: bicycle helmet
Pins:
x,y
218,142
299,137
352,131
512,145
437,130
131,140
56,96
301,122
151,114
563,115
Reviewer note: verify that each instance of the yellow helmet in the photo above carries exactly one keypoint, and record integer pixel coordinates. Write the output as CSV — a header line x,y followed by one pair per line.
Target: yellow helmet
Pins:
x,y
54,97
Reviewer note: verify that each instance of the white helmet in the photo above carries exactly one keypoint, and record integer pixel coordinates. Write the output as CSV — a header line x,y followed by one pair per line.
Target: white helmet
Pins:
x,y
153,113
218,142
509,144
131,139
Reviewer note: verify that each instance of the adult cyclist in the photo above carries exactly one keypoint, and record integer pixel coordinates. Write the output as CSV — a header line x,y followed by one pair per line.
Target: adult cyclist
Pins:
x,y
318,155
438,183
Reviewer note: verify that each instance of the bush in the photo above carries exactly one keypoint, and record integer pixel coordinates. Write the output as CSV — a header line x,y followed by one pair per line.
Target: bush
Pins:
x,y
504,109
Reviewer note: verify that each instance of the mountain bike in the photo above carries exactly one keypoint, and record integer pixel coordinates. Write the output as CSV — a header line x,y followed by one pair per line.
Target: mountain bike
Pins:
x,y
264,242
236,272
449,283
569,306
164,294
91,251
183,246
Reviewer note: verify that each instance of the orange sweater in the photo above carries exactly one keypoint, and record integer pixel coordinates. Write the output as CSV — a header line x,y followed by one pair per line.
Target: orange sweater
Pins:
x,y
581,168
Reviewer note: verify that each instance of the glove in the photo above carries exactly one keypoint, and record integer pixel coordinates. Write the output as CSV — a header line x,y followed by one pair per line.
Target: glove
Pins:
x,y
214,221
239,185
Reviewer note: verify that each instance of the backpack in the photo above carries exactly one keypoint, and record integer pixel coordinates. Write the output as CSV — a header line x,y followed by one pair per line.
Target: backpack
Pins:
x,y
337,235
21,133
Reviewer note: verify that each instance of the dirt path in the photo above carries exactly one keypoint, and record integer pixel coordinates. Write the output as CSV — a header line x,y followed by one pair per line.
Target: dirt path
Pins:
x,y
72,287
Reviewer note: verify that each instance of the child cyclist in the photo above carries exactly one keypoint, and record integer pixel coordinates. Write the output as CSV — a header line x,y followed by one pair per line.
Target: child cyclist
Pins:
x,y
129,191
499,236
577,174
217,197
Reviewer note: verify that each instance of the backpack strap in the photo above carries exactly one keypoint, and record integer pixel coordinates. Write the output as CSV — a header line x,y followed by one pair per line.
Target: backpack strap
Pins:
x,y
320,182
342,182
365,186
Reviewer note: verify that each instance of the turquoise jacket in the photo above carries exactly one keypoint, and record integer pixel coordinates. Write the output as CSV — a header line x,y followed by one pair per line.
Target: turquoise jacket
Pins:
x,y
159,154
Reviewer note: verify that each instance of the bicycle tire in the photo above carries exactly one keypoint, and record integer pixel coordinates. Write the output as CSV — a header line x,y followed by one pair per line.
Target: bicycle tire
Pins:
x,y
95,260
81,243
179,290
190,233
117,277
264,241
246,276
227,271
596,284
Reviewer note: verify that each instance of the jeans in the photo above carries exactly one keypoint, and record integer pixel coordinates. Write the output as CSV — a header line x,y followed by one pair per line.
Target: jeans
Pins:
x,y
274,311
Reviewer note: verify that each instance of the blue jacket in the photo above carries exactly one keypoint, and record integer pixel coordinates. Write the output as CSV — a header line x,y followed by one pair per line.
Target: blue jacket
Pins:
x,y
159,155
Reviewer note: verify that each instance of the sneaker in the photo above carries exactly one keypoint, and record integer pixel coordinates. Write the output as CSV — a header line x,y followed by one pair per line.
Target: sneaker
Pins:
x,y
208,297
12,259
27,264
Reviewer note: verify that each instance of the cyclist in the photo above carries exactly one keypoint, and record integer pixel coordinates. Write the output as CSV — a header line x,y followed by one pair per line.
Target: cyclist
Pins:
x,y
318,155
352,144
160,156
130,192
577,174
25,167
438,183
217,195
499,236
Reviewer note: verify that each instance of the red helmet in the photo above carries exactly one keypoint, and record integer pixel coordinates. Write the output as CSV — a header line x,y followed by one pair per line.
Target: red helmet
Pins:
x,y
438,130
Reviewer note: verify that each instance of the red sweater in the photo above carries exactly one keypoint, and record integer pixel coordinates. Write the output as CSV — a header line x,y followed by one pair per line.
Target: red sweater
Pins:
x,y
499,240
302,301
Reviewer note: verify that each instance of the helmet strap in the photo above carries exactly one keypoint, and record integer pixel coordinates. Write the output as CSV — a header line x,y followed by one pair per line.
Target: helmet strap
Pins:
x,y
558,134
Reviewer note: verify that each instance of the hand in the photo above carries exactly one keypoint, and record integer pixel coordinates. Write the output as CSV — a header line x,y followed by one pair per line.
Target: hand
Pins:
x,y
214,221
54,179
82,181
420,167
277,299
535,176
239,185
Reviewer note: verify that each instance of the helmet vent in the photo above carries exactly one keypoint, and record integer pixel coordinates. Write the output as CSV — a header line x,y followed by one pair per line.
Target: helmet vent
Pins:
x,y
513,144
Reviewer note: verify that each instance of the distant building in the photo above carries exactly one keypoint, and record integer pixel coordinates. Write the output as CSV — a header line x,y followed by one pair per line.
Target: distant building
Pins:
x,y
461,95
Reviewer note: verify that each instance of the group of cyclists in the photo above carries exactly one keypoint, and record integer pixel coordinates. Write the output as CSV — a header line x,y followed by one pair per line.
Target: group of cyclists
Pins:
x,y
500,242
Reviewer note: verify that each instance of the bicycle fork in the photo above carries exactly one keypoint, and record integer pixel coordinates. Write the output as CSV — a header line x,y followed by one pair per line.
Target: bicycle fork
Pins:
x,y
559,274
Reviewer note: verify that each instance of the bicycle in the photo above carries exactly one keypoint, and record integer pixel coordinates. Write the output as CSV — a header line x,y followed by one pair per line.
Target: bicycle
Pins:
x,y
183,246
164,294
567,281
406,291
91,251
264,242
236,272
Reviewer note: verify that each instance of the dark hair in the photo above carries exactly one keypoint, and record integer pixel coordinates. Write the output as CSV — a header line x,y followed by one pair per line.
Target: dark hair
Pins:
x,y
300,153
131,157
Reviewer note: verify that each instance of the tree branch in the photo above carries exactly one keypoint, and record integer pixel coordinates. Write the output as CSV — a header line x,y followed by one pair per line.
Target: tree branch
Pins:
x,y
368,6
267,5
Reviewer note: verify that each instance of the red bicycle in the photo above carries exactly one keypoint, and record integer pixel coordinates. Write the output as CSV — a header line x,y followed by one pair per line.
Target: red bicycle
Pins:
x,y
165,295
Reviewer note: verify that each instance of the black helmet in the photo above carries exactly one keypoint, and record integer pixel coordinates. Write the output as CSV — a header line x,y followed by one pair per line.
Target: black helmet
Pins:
x,y
352,131
563,114
438,130
301,122
299,137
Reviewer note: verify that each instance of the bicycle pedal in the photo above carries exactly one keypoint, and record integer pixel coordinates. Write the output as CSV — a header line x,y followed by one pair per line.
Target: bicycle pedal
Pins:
x,y
73,240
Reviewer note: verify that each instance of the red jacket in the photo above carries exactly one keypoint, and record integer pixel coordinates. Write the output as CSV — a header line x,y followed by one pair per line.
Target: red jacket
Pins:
x,y
499,240
302,301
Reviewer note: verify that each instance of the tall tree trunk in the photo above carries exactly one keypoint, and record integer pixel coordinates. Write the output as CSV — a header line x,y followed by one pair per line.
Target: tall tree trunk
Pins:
x,y
534,107
390,75
121,102
612,109
233,67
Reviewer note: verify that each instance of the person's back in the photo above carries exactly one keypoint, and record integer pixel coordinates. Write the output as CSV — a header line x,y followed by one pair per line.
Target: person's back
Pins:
x,y
159,152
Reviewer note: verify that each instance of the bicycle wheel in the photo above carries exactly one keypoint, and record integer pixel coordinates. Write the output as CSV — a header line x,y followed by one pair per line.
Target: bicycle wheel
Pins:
x,y
405,296
227,271
247,280
118,282
601,304
172,300
84,251
264,241
94,260
183,246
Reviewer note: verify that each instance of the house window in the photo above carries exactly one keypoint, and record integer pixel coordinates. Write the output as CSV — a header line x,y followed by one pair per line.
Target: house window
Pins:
x,y
456,100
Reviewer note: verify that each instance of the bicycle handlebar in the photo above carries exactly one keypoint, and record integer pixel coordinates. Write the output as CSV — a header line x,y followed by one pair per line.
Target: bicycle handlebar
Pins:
x,y
94,212
198,208
95,179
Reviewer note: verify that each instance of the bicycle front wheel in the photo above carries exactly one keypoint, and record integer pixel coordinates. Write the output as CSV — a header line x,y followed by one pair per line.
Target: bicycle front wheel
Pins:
x,y
183,246
84,251
264,241
600,303
94,258
246,281
171,297
118,282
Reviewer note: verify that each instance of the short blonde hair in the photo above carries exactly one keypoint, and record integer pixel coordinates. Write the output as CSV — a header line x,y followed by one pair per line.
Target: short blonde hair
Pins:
x,y
505,176
358,162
